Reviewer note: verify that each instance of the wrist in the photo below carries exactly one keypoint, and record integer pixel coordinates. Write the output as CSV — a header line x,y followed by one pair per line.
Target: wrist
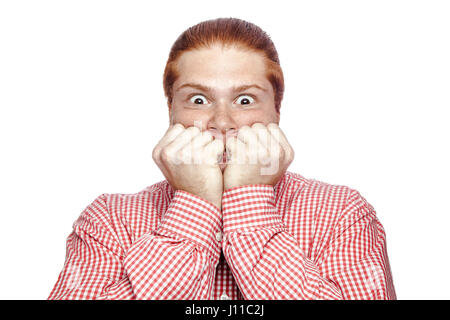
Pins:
x,y
192,218
256,209
214,198
230,185
217,201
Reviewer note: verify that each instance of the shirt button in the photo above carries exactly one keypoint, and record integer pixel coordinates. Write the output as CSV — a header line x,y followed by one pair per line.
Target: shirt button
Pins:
x,y
224,297
219,236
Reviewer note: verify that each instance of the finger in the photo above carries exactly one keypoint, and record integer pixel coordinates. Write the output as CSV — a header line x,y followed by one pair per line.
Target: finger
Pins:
x,y
264,139
247,135
171,134
275,148
256,150
202,139
271,144
182,140
212,151
174,131
198,143
279,136
185,154
262,133
236,151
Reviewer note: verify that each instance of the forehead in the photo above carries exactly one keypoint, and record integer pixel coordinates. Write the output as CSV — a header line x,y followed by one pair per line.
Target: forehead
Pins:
x,y
221,67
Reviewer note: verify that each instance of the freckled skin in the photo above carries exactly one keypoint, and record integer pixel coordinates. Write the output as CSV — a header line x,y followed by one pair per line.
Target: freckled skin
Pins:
x,y
221,69
212,114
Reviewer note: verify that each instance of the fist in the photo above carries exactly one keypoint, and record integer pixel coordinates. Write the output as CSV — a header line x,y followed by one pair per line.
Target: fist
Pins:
x,y
188,158
258,155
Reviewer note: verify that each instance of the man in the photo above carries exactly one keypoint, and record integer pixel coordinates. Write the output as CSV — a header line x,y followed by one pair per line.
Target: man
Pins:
x,y
230,222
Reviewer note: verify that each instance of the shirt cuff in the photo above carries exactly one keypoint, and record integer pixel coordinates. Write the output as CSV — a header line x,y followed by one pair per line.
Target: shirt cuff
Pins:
x,y
250,207
192,218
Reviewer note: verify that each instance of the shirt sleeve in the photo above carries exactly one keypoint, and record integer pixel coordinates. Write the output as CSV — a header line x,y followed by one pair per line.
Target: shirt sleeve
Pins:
x,y
176,261
267,262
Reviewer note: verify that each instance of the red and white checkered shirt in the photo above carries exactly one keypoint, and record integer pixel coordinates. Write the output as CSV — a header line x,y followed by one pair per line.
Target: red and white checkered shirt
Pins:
x,y
299,239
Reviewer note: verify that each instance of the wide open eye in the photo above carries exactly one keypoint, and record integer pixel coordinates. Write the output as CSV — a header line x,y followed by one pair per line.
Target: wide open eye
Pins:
x,y
245,99
198,99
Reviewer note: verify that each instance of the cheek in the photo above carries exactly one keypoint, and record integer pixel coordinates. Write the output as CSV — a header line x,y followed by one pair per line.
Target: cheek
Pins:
x,y
250,117
189,118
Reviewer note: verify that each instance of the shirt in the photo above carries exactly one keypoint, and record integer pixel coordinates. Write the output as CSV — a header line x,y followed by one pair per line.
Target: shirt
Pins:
x,y
299,239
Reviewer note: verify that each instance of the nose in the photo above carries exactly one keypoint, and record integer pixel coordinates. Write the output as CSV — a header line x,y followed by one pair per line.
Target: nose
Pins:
x,y
222,124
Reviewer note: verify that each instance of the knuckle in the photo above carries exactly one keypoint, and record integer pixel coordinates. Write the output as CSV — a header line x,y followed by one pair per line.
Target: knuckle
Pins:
x,y
290,154
155,153
180,154
165,154
281,154
257,125
208,134
193,130
272,125
260,130
244,132
178,126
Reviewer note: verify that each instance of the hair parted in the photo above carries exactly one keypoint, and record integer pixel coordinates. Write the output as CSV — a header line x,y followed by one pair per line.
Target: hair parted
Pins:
x,y
227,32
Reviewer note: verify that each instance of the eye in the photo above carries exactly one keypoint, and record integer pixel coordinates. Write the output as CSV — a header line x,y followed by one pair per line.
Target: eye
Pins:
x,y
198,99
245,99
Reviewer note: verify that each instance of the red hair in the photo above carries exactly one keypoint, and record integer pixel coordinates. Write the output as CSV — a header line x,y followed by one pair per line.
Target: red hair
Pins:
x,y
228,32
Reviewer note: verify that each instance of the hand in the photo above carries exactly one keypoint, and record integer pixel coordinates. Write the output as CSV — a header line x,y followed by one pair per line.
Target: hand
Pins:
x,y
188,158
258,155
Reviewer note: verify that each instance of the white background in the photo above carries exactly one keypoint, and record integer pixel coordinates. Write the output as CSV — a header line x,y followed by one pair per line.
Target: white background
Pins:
x,y
82,106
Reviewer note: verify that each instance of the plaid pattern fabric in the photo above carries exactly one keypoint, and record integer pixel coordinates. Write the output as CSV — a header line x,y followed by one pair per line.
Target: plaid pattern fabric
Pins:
x,y
299,239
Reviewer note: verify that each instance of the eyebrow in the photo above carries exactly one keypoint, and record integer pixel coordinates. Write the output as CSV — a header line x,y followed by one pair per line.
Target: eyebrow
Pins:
x,y
209,89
